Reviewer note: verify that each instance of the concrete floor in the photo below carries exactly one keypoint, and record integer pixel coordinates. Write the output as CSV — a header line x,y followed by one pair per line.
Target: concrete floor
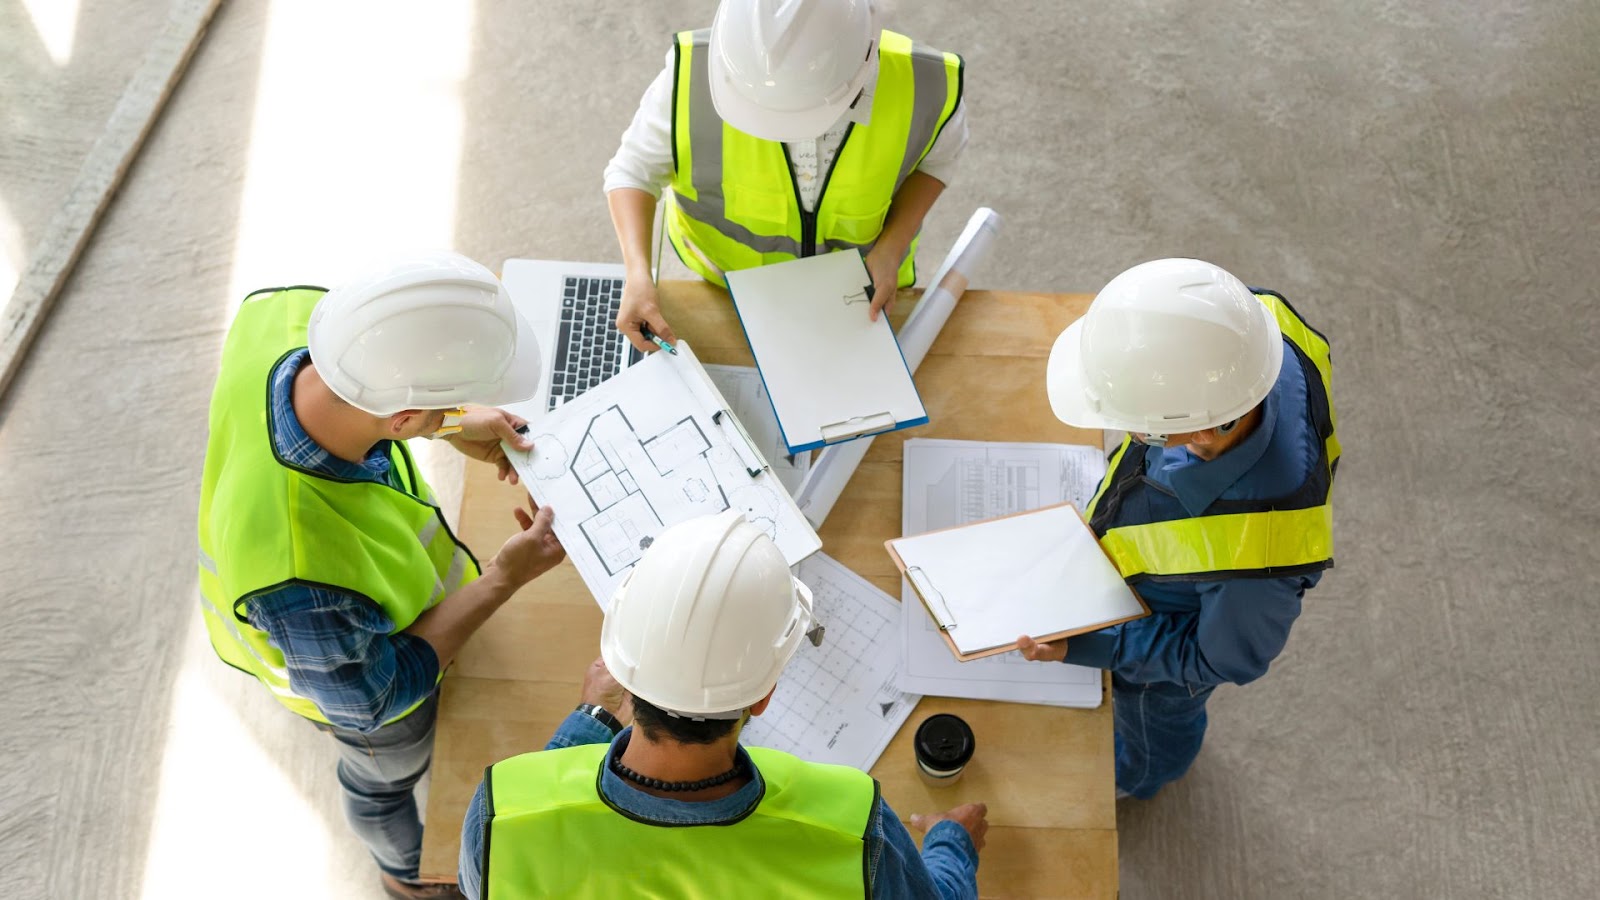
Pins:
x,y
1421,179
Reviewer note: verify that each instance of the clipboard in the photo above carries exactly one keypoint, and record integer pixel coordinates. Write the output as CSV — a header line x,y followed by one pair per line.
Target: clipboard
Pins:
x,y
947,612
831,374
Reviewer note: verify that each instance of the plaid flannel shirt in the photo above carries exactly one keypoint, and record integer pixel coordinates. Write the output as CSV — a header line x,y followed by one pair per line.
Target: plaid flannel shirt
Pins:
x,y
337,646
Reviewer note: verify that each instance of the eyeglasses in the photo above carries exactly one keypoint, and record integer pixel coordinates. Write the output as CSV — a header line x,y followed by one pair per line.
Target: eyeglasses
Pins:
x,y
1160,440
451,423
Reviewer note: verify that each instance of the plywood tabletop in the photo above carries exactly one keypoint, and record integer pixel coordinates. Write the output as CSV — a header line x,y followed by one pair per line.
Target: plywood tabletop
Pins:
x,y
1045,772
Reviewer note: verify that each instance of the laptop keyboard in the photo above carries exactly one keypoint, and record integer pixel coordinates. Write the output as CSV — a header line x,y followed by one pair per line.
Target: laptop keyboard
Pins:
x,y
589,349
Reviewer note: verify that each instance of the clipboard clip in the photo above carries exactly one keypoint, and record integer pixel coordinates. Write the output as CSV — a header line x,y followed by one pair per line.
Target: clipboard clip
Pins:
x,y
716,419
857,426
928,588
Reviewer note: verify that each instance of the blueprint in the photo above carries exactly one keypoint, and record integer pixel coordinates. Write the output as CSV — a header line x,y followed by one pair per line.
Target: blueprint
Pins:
x,y
950,483
648,448
839,703
742,387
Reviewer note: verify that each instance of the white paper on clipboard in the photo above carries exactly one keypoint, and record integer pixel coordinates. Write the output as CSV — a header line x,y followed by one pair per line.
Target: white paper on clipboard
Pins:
x,y
832,373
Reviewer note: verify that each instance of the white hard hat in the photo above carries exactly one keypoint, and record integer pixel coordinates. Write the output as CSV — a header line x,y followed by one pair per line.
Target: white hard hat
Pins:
x,y
787,70
1167,347
429,331
707,620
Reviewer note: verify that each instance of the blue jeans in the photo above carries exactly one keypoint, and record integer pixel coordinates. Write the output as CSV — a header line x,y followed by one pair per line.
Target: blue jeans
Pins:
x,y
378,772
1159,730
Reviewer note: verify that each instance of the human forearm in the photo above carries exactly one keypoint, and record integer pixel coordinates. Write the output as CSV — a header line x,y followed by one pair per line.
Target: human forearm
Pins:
x,y
1240,627
946,867
633,214
910,206
527,554
948,853
447,626
578,729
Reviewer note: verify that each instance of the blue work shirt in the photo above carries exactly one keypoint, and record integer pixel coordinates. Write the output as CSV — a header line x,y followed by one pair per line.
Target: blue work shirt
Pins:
x,y
1210,632
946,868
337,646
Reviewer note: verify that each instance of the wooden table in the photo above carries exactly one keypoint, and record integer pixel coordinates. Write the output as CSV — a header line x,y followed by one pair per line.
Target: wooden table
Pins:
x,y
1045,772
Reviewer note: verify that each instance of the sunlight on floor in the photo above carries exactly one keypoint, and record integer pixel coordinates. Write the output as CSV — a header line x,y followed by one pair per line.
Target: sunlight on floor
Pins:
x,y
356,138
56,22
216,778
12,254
354,153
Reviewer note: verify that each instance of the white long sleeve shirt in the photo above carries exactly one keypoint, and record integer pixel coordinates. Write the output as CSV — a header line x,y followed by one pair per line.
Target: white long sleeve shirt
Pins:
x,y
644,159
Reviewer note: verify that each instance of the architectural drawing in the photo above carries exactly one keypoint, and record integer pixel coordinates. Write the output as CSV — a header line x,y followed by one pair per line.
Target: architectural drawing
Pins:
x,y
976,488
649,448
636,483
839,703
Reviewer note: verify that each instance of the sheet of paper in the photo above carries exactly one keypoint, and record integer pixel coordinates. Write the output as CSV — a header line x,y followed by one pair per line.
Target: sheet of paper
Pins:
x,y
832,373
648,448
953,482
742,387
839,703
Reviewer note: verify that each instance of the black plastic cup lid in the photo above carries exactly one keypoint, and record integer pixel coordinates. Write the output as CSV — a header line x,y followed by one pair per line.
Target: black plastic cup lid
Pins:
x,y
944,742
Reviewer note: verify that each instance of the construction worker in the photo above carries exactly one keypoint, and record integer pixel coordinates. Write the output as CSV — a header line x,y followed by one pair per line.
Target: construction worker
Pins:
x,y
791,128
327,570
1215,507
674,806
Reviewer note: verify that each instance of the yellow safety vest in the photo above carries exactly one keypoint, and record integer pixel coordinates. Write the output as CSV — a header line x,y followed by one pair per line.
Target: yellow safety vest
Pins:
x,y
264,524
1273,538
734,202
551,834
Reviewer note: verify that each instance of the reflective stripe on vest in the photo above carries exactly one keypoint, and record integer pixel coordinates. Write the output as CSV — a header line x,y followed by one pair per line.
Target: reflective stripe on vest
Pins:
x,y
1237,539
734,202
265,525
551,834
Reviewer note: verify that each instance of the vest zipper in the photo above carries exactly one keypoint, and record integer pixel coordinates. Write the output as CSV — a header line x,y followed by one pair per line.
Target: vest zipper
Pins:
x,y
808,220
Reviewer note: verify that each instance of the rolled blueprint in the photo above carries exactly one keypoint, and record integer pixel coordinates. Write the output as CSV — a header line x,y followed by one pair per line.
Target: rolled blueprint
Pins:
x,y
832,469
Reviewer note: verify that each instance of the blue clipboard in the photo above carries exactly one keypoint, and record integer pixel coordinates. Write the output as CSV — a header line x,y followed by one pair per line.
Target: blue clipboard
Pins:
x,y
803,319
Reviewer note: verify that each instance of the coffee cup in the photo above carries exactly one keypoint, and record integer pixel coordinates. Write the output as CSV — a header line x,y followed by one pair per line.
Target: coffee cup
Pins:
x,y
943,745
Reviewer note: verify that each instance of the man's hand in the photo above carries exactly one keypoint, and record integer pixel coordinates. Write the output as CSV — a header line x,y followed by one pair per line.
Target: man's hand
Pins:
x,y
603,691
482,430
883,264
974,817
1037,652
532,551
640,306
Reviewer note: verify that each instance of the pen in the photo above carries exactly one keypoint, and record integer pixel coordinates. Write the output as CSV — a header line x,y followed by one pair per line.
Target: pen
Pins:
x,y
651,336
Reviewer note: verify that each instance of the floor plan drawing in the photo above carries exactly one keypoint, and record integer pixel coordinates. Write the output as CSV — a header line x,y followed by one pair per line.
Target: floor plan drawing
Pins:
x,y
651,447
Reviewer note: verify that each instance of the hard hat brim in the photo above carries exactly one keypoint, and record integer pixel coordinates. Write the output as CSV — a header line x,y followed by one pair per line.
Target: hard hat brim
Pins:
x,y
525,370
1069,391
771,125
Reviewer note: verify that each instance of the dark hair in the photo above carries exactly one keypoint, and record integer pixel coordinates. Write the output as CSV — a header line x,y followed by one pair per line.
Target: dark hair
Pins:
x,y
657,724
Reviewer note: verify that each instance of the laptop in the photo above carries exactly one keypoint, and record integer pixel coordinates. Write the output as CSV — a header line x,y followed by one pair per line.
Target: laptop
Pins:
x,y
573,310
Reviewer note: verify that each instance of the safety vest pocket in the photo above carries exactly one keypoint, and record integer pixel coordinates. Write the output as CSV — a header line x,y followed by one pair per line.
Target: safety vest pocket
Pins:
x,y
762,211
856,223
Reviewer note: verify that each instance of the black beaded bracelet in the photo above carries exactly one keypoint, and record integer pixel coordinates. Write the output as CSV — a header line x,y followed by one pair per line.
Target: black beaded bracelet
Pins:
x,y
600,715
